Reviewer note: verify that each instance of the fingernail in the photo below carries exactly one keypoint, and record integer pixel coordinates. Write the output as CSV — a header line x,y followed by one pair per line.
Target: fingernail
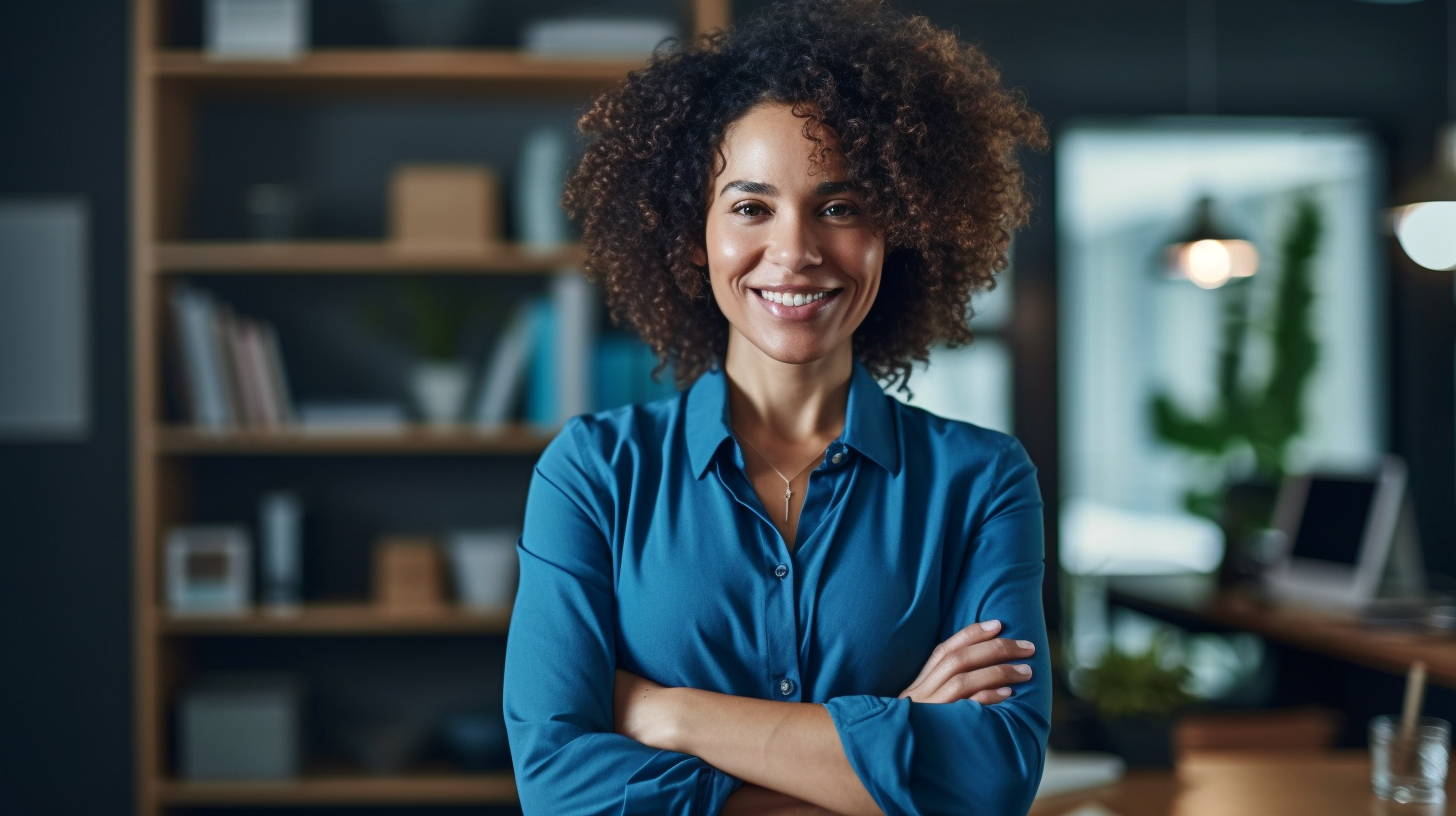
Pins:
x,y
1004,691
1026,644
990,625
1022,668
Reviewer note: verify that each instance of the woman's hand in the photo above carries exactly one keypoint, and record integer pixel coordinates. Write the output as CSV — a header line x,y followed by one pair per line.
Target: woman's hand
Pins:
x,y
639,710
972,664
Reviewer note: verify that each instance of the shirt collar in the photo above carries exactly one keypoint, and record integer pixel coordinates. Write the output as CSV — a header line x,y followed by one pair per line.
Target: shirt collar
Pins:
x,y
868,423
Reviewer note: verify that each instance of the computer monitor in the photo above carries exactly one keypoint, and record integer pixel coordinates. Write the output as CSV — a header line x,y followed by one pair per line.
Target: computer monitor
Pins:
x,y
1348,539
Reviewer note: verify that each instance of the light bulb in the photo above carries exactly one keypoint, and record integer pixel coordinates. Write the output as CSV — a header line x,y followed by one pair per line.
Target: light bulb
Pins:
x,y
1211,263
1427,233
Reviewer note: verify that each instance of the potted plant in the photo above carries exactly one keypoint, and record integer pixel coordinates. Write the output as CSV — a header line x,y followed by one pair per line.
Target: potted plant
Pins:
x,y
432,323
1135,696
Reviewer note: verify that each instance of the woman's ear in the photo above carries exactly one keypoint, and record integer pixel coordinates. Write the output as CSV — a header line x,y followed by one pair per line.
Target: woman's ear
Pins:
x,y
698,256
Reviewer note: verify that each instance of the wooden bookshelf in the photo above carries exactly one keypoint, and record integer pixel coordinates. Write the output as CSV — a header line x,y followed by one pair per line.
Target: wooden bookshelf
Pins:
x,y
355,257
359,618
412,440
444,788
169,87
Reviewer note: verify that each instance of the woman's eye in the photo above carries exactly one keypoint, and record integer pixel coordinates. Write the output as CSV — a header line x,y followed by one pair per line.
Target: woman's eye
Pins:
x,y
749,210
840,210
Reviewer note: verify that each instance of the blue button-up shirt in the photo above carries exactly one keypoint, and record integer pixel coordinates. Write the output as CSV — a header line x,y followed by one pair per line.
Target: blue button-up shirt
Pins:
x,y
645,547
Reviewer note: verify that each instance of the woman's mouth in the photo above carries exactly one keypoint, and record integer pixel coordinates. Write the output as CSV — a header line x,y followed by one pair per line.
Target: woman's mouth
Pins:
x,y
796,305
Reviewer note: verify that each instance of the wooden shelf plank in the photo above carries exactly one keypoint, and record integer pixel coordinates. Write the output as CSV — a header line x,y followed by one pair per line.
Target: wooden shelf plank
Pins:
x,y
334,67
356,257
339,619
346,789
412,440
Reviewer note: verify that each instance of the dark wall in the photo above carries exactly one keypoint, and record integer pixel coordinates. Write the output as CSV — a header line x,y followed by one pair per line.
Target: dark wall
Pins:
x,y
64,550
65,529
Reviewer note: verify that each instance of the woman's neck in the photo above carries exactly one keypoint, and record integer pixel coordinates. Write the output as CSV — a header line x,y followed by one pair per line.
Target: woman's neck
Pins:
x,y
786,403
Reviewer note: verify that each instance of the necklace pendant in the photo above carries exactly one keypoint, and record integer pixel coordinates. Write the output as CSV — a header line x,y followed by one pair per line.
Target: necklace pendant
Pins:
x,y
788,494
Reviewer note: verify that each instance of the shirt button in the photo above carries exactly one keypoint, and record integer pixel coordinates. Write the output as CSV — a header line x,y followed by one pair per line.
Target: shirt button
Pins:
x,y
837,458
786,687
780,571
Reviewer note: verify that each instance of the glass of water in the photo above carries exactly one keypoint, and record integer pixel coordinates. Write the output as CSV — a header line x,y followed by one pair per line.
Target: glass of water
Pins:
x,y
1413,768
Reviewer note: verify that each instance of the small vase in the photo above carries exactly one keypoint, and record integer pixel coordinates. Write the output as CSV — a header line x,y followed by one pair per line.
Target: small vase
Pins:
x,y
439,390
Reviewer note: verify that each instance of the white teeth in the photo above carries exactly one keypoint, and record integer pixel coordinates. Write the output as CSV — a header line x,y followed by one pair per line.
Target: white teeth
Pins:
x,y
791,300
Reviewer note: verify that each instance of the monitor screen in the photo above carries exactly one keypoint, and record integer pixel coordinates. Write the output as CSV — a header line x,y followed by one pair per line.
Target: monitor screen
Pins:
x,y
1332,526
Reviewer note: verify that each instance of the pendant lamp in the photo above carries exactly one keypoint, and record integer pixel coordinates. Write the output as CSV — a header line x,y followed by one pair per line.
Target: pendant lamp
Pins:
x,y
1425,213
1208,256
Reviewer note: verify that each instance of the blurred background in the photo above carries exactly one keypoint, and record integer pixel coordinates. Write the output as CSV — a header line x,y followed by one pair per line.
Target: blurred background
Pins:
x,y
288,309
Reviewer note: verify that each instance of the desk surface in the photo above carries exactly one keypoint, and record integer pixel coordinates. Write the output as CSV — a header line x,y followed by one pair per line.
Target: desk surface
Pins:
x,y
1242,784
1196,598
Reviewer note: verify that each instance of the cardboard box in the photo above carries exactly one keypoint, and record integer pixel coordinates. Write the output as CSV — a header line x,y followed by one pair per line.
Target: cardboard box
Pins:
x,y
444,208
409,574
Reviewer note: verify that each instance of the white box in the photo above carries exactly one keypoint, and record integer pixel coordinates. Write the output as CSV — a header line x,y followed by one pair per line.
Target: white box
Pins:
x,y
240,726
256,29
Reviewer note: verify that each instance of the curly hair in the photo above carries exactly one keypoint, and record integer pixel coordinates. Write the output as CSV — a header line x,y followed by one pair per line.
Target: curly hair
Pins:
x,y
926,132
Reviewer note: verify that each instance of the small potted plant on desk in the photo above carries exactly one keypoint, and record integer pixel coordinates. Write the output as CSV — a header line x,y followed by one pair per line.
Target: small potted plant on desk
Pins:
x,y
1136,697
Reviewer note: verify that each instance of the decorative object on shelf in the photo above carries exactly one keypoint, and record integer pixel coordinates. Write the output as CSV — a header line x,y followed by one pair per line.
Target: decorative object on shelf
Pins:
x,y
408,574
275,211
241,726
209,569
432,23
444,208
477,739
327,416
256,29
280,528
1208,256
484,566
540,181
439,389
1262,421
595,37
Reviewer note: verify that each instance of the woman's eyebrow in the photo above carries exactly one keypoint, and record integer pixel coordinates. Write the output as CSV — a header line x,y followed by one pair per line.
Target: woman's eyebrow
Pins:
x,y
765,189
750,187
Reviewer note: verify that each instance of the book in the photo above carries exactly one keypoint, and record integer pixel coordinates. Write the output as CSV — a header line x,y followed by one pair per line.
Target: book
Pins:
x,y
505,371
209,400
276,374
563,331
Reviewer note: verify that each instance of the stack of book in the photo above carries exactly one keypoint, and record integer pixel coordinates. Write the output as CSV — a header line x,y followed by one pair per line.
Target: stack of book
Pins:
x,y
232,369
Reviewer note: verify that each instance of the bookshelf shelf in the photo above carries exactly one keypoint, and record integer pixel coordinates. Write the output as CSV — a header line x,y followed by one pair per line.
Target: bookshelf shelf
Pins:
x,y
411,440
346,789
352,257
339,69
358,618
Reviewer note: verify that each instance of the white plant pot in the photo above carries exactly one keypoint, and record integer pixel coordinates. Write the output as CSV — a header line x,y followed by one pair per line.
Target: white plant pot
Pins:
x,y
439,390
485,567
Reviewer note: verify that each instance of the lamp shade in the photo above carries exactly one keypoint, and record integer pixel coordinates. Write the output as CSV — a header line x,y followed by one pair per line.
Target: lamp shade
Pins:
x,y
1208,256
1425,215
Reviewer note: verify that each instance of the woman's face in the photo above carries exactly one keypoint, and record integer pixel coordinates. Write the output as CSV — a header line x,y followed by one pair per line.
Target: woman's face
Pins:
x,y
793,261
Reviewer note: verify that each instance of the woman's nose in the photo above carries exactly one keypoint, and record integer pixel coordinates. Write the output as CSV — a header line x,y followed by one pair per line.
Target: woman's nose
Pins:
x,y
793,243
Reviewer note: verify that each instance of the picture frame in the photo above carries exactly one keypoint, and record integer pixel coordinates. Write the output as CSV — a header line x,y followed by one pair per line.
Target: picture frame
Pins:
x,y
209,569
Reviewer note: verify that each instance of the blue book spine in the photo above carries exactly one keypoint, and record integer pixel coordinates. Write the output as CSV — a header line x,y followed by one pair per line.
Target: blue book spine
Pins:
x,y
541,399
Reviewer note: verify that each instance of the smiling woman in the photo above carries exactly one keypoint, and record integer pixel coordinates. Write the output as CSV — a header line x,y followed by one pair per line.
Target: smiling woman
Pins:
x,y
789,214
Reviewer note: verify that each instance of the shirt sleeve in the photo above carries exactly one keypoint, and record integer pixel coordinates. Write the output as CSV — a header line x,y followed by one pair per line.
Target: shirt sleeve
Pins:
x,y
560,660
960,758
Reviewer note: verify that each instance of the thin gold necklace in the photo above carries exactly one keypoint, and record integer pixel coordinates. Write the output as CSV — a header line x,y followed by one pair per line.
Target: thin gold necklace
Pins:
x,y
788,483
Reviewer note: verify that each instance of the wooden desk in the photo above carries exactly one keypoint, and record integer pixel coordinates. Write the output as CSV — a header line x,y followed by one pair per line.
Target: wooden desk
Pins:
x,y
1244,784
1195,600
